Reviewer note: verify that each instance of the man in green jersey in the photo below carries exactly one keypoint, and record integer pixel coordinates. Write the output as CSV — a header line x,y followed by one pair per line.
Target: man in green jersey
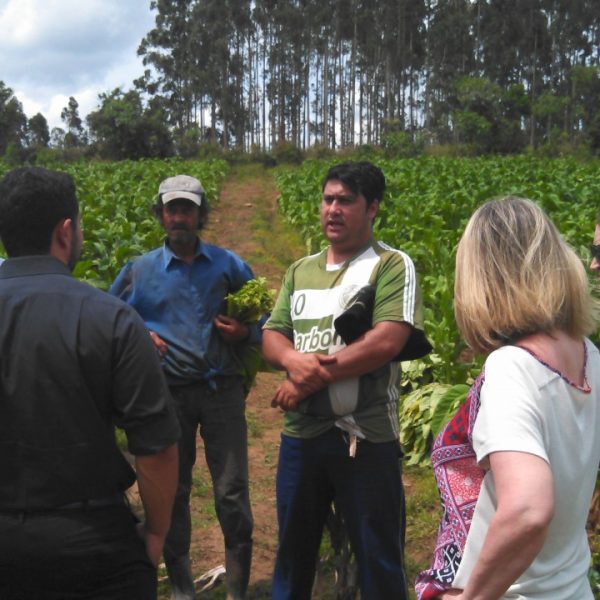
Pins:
x,y
340,438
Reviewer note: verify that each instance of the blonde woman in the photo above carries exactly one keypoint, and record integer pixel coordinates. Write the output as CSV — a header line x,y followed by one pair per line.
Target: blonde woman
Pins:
x,y
516,467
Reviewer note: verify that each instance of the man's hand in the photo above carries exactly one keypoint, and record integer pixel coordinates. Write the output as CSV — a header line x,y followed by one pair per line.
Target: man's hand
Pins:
x,y
288,396
307,371
230,329
157,476
154,543
159,343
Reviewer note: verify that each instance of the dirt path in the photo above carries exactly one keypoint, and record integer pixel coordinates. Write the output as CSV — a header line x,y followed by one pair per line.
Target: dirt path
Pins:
x,y
245,220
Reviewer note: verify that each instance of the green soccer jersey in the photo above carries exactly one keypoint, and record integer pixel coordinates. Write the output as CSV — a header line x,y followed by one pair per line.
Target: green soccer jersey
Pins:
x,y
312,296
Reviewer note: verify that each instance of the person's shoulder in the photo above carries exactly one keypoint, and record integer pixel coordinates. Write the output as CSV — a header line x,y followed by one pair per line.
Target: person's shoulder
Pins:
x,y
230,263
505,355
144,262
307,266
309,261
220,252
387,252
94,294
592,349
107,313
593,365
393,263
512,362
101,301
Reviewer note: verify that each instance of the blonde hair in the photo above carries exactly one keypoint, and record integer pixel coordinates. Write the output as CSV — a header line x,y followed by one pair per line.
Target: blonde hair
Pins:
x,y
515,275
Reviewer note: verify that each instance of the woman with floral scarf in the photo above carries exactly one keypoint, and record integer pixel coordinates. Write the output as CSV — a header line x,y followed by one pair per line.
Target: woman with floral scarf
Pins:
x,y
516,467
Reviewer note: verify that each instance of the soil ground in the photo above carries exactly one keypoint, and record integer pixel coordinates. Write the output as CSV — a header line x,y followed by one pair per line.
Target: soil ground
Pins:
x,y
246,220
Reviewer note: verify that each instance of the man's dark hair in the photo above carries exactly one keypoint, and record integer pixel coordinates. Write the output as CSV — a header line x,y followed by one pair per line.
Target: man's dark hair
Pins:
x,y
32,203
203,211
361,177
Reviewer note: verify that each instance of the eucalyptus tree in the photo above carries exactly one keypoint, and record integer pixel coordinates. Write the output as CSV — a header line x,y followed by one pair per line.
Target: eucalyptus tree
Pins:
x,y
262,39
571,28
199,51
401,26
38,134
282,33
513,43
13,121
254,73
223,35
322,22
75,135
169,49
450,56
585,99
514,46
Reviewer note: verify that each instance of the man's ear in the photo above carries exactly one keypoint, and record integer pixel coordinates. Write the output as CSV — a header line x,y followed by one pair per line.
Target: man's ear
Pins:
x,y
64,232
373,209
62,237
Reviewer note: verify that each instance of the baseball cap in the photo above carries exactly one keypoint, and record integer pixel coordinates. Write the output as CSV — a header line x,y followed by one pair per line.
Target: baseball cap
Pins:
x,y
181,186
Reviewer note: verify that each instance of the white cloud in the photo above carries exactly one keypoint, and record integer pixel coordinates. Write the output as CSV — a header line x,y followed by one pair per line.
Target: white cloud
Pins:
x,y
53,49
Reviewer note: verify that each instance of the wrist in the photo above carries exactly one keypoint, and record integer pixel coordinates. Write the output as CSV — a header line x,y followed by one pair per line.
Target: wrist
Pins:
x,y
286,358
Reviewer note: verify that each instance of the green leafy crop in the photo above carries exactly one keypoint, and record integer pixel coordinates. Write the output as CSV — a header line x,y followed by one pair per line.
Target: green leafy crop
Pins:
x,y
251,301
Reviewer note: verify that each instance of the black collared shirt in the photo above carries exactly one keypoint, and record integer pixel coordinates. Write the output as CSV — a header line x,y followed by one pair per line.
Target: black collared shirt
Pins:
x,y
74,362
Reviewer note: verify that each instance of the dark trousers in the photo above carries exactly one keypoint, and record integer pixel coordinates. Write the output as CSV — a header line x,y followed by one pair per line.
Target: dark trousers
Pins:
x,y
367,490
92,553
219,412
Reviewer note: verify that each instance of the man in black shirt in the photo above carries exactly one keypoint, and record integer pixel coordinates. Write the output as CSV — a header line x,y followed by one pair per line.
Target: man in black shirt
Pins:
x,y
74,362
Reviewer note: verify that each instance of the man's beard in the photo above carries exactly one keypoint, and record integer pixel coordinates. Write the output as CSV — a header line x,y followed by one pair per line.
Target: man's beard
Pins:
x,y
182,237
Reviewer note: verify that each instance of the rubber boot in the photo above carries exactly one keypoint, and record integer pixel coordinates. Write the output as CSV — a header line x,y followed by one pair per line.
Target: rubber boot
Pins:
x,y
180,576
237,565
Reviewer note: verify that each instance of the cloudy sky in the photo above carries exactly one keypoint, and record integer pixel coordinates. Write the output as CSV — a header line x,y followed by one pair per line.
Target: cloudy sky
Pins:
x,y
53,49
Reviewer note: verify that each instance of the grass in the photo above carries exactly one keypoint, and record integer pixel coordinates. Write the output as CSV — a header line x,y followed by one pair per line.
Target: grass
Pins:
x,y
255,428
422,519
277,243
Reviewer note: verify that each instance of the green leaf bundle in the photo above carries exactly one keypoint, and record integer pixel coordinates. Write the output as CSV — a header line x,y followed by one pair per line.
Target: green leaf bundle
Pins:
x,y
251,301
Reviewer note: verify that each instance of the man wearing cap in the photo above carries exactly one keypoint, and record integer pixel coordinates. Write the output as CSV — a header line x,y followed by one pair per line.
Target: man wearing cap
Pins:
x,y
179,291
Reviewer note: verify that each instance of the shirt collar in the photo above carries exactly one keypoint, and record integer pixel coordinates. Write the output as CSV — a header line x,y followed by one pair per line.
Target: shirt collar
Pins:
x,y
33,265
169,256
323,256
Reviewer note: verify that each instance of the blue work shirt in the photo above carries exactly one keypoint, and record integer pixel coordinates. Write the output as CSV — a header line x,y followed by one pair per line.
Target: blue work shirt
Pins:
x,y
179,301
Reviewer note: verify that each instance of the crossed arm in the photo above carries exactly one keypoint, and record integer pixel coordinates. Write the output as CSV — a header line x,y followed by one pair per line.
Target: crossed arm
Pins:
x,y
308,373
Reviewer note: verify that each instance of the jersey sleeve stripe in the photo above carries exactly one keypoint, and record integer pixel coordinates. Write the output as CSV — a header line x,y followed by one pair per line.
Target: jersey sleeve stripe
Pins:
x,y
410,284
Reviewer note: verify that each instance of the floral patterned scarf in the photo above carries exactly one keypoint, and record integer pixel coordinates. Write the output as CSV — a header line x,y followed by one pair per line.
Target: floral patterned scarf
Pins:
x,y
459,479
